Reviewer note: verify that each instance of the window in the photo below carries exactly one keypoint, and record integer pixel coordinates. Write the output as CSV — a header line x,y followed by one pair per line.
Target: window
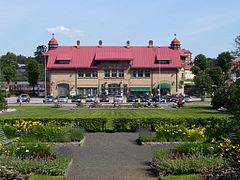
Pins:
x,y
94,73
88,73
121,73
140,73
147,73
62,61
106,73
134,73
114,73
163,61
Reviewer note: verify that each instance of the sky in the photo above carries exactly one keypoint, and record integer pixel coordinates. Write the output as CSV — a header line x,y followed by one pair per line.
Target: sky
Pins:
x,y
207,27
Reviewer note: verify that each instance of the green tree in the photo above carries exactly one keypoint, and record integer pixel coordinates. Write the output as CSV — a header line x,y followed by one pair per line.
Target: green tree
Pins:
x,y
41,49
224,60
216,74
236,53
8,66
3,102
200,64
204,82
33,73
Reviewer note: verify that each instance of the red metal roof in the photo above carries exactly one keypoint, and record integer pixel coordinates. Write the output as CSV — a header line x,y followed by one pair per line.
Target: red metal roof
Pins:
x,y
141,56
113,53
175,41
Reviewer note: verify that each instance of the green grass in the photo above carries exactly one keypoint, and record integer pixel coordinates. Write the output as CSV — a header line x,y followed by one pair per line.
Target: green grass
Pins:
x,y
45,177
181,177
50,112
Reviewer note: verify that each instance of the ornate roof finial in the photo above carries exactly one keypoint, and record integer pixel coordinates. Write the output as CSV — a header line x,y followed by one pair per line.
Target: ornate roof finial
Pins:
x,y
52,35
175,35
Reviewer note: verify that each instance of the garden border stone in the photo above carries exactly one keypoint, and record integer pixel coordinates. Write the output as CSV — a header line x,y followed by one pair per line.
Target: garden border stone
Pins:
x,y
70,143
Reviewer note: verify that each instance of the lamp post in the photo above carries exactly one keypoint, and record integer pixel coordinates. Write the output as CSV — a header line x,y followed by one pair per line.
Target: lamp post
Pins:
x,y
159,84
45,76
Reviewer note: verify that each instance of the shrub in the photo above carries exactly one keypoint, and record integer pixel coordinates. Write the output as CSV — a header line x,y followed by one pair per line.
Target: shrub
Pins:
x,y
10,131
3,102
168,162
198,148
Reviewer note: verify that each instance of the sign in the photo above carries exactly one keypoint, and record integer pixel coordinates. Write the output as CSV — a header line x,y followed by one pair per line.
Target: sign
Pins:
x,y
73,93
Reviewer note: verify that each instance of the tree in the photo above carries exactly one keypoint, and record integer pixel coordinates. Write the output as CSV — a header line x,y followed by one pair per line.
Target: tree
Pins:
x,y
8,66
204,83
200,64
39,52
33,72
3,102
236,53
216,75
224,60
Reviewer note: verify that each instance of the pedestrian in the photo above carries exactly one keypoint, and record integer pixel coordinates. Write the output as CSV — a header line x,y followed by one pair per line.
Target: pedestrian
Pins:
x,y
20,102
179,102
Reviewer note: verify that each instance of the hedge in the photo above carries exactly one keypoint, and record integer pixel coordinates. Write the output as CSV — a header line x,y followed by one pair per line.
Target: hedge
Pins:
x,y
215,126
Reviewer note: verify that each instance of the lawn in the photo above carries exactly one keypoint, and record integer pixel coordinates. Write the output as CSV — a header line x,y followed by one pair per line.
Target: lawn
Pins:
x,y
50,112
181,177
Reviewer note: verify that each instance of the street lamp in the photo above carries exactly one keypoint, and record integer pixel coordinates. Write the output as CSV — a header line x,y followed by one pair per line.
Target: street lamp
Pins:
x,y
159,84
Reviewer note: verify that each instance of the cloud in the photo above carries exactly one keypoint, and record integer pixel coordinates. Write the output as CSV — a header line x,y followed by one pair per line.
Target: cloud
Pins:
x,y
71,33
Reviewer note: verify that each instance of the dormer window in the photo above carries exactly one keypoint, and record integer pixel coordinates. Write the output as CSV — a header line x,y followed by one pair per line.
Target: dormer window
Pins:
x,y
163,61
62,61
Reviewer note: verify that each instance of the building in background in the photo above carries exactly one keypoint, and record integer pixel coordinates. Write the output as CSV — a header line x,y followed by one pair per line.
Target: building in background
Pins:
x,y
115,70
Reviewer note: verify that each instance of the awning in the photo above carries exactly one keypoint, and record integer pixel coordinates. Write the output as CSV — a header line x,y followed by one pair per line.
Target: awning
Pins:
x,y
165,86
140,89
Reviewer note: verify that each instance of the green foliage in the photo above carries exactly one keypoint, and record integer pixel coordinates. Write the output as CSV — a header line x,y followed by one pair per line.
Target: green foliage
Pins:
x,y
3,102
224,60
9,66
204,82
216,75
234,99
236,53
201,63
168,162
91,125
198,148
33,72
10,131
9,72
47,167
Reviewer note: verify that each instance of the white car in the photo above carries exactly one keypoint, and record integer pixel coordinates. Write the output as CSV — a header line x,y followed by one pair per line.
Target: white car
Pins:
x,y
63,99
118,98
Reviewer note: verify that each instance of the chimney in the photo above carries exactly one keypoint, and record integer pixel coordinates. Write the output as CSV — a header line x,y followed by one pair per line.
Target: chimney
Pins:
x,y
128,44
78,43
100,43
150,43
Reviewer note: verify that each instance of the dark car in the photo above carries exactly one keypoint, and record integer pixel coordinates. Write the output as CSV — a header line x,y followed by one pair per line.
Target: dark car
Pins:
x,y
48,99
172,98
104,98
146,98
159,98
132,98
76,98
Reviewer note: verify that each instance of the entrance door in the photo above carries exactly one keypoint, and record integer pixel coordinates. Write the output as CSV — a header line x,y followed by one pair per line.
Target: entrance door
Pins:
x,y
63,89
114,89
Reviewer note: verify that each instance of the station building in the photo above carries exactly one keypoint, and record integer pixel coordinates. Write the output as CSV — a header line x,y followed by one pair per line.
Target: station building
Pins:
x,y
123,70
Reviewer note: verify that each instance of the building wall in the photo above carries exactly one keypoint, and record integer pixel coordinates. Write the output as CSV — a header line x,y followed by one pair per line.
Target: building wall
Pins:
x,y
71,78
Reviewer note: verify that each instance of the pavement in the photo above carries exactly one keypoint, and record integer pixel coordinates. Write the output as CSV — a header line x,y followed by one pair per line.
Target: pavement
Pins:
x,y
111,156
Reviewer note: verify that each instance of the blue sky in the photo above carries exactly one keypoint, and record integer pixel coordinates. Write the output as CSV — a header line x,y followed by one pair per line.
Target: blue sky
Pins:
x,y
202,26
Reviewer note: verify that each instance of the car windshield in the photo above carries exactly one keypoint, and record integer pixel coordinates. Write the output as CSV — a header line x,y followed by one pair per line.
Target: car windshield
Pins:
x,y
131,96
49,97
90,97
23,95
118,96
62,96
76,97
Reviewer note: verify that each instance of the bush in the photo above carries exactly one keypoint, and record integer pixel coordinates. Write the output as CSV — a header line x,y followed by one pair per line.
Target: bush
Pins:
x,y
27,166
3,102
10,131
198,148
168,162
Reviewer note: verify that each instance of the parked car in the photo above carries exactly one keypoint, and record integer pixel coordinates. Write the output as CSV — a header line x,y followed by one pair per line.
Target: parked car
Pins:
x,y
76,98
118,98
146,98
63,99
48,99
23,98
104,98
187,98
172,98
159,98
132,98
90,99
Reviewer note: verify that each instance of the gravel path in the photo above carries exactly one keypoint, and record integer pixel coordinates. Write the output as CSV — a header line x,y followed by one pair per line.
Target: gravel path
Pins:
x,y
111,156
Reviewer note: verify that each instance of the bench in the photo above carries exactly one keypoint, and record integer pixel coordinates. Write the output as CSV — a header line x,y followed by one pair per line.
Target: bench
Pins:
x,y
3,139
